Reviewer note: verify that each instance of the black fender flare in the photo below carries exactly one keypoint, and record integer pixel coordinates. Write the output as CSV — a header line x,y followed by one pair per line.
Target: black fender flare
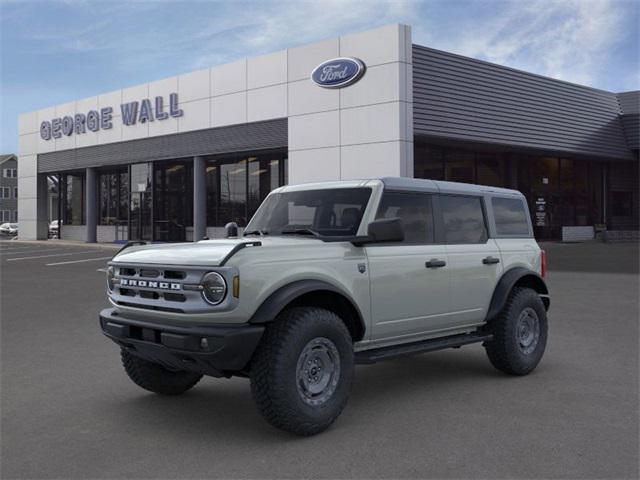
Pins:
x,y
278,300
506,283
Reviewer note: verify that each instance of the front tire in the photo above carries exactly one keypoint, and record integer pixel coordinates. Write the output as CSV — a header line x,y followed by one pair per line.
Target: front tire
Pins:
x,y
156,378
302,371
519,333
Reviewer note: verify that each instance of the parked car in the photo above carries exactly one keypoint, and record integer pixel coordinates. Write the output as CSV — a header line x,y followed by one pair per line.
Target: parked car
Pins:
x,y
54,229
329,275
9,229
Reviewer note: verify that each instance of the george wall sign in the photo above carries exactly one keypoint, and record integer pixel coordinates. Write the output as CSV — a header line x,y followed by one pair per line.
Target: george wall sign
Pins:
x,y
338,72
94,120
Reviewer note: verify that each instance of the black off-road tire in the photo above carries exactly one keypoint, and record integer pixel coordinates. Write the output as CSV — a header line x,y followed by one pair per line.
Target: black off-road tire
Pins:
x,y
156,378
275,383
506,351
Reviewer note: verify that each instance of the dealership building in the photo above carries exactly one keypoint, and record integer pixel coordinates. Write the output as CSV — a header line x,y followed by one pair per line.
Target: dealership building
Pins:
x,y
178,158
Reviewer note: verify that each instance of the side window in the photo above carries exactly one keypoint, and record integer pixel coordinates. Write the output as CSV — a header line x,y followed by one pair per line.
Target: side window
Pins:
x,y
414,209
510,216
463,219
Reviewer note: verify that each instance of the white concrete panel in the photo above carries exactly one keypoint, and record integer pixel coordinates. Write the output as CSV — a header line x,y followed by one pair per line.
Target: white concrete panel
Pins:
x,y
372,160
380,84
132,132
27,166
406,121
88,138
406,94
197,115
28,123
194,86
66,142
27,187
111,99
27,229
65,109
229,78
162,88
163,127
408,44
28,144
303,59
321,164
267,70
131,94
267,103
114,134
47,114
373,123
373,47
87,104
307,97
27,206
314,130
229,109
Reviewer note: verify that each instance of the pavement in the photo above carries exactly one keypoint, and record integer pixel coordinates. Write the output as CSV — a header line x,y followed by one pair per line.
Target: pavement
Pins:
x,y
69,411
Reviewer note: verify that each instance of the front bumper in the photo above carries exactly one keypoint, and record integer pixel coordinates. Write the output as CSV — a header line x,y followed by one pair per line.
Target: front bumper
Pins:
x,y
227,349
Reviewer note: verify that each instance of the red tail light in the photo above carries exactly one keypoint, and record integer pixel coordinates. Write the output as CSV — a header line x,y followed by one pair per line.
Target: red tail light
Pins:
x,y
543,263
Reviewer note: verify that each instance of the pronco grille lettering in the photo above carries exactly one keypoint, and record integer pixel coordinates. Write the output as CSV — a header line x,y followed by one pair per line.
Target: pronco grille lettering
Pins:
x,y
129,282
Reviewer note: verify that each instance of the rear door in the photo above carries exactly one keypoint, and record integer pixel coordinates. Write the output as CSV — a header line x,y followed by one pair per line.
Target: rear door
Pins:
x,y
409,279
474,258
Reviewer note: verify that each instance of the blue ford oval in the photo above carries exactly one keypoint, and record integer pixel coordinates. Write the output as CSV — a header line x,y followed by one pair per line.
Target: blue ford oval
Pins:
x,y
338,72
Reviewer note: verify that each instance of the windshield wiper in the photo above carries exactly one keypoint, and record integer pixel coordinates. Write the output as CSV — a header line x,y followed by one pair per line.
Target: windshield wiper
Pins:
x,y
300,231
260,231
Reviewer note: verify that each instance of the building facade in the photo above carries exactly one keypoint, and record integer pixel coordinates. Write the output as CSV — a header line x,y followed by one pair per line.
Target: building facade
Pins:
x,y
176,159
9,188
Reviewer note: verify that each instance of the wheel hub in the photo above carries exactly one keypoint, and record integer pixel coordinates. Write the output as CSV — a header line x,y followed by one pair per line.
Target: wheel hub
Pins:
x,y
318,371
528,330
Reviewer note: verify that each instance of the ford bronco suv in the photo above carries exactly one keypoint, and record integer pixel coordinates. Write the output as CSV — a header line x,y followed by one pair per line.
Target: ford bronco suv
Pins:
x,y
326,276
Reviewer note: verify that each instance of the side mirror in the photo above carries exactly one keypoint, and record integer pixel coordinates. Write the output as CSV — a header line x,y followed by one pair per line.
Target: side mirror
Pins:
x,y
231,229
383,230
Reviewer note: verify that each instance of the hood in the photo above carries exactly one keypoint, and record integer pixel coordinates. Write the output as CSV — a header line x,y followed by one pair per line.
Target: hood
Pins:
x,y
203,253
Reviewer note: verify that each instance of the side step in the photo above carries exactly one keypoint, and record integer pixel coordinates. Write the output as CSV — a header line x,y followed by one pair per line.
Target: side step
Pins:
x,y
431,345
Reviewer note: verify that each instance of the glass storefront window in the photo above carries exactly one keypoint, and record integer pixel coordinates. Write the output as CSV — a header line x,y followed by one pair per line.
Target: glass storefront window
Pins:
x,y
490,169
460,167
73,199
113,194
237,185
428,162
173,200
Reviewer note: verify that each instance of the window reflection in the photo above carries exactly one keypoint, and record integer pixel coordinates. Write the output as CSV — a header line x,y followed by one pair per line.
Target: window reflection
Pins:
x,y
237,185
73,199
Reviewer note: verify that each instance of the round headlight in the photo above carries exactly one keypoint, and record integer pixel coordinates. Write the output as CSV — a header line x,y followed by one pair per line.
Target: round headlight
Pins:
x,y
111,273
214,288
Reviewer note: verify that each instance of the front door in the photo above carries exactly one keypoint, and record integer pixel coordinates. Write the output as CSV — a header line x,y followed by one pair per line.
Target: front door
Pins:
x,y
409,280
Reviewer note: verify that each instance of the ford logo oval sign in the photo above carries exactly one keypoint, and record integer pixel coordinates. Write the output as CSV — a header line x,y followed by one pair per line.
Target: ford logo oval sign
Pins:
x,y
339,72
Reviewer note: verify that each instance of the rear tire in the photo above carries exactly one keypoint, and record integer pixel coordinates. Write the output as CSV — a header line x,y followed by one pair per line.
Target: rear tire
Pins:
x,y
519,333
156,378
302,371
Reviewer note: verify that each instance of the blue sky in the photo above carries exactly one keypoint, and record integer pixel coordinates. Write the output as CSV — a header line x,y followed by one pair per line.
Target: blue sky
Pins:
x,y
57,51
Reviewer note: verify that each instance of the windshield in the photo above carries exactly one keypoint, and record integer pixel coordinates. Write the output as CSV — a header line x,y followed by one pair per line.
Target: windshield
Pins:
x,y
326,212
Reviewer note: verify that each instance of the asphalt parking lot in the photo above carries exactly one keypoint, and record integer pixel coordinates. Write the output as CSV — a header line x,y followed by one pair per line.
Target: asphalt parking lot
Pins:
x,y
69,411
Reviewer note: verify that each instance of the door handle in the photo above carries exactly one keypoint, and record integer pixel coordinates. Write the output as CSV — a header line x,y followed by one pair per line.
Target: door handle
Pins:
x,y
435,263
490,260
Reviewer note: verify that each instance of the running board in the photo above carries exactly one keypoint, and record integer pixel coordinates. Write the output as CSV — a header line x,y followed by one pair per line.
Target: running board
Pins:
x,y
431,345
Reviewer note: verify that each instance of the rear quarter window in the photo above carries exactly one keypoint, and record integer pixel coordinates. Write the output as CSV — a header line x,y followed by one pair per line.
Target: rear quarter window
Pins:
x,y
510,216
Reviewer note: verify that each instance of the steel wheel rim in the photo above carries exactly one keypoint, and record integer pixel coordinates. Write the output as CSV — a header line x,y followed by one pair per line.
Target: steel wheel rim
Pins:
x,y
528,330
318,371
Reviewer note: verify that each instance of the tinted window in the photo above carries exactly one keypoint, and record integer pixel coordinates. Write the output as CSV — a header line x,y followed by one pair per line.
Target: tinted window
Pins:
x,y
463,219
510,215
414,209
336,212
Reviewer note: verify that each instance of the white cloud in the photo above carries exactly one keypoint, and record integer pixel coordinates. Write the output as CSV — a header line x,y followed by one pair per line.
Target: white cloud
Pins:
x,y
569,40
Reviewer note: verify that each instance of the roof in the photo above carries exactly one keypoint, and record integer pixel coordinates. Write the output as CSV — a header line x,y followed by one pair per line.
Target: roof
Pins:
x,y
6,158
404,183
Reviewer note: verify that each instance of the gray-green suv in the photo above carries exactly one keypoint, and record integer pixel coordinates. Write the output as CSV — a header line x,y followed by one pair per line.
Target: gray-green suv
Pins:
x,y
326,276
